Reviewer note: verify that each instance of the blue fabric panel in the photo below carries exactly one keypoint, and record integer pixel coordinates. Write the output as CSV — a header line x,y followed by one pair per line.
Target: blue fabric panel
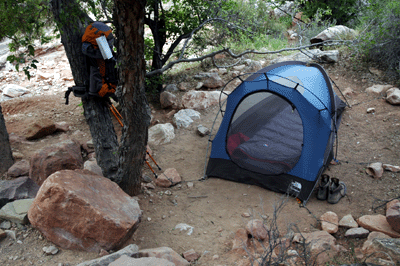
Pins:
x,y
312,79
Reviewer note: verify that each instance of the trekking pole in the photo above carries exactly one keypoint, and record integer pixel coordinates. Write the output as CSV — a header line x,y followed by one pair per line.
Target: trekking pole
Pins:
x,y
148,164
115,112
159,168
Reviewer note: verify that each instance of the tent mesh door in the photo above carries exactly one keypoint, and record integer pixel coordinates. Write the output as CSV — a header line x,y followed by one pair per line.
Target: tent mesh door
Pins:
x,y
265,134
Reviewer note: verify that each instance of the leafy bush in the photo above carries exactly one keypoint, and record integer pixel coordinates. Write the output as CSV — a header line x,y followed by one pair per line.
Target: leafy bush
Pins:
x,y
380,33
340,11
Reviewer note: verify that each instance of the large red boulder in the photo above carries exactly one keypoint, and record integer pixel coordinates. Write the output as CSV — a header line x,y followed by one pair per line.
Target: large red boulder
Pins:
x,y
83,211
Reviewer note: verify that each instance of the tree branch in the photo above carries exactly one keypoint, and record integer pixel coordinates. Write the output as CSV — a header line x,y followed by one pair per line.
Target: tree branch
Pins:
x,y
233,55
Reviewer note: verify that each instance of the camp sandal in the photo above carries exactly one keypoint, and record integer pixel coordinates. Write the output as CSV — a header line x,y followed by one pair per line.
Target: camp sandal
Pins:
x,y
337,190
322,193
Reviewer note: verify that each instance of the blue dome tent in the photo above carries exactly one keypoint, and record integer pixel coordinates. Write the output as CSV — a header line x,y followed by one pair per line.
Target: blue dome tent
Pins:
x,y
278,130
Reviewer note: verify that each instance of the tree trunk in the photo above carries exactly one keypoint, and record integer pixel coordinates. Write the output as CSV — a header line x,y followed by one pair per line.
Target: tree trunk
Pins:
x,y
6,158
129,17
72,21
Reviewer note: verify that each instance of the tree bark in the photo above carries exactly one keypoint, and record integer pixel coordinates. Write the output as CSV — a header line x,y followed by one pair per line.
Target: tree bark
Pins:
x,y
6,157
72,21
129,16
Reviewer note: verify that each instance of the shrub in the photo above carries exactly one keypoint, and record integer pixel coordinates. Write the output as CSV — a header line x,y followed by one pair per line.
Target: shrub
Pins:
x,y
380,33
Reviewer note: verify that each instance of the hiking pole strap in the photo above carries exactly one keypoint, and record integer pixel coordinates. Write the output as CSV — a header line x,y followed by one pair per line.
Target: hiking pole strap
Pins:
x,y
67,93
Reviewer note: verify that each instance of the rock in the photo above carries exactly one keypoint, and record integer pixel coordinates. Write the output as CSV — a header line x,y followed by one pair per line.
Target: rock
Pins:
x,y
257,229
83,211
375,71
357,233
393,96
348,91
202,130
391,168
20,168
20,188
213,81
348,221
50,250
40,128
370,110
171,88
184,118
201,100
334,33
377,223
393,216
241,240
392,203
164,253
92,166
11,234
128,261
239,68
16,211
161,134
368,245
62,126
61,156
169,178
11,91
22,206
378,89
253,66
283,9
5,225
168,99
389,246
375,170
129,250
322,245
183,86
190,255
330,222
184,227
199,85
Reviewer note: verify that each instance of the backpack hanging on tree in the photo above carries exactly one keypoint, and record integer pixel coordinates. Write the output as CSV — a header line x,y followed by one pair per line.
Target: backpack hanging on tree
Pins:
x,y
97,44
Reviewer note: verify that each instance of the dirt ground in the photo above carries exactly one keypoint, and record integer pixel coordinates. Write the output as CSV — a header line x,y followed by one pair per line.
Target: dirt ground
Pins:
x,y
216,208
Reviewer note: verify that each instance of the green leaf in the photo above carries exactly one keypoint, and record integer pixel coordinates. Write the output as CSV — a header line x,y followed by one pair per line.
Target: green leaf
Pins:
x,y
31,50
17,67
11,58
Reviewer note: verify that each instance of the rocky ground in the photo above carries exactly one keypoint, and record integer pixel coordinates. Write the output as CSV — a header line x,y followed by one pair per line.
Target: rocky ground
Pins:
x,y
216,209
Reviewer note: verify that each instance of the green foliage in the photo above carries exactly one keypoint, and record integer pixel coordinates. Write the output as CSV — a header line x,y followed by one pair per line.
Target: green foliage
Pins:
x,y
258,42
24,22
380,31
152,87
336,11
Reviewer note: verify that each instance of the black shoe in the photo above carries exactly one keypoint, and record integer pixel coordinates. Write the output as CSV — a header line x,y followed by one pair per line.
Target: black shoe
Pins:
x,y
322,193
337,190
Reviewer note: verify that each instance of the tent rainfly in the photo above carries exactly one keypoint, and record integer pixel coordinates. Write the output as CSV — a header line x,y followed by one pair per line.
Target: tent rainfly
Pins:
x,y
278,130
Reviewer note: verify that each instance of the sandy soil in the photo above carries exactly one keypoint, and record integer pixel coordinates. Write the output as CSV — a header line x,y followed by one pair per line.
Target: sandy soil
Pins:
x,y
214,207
